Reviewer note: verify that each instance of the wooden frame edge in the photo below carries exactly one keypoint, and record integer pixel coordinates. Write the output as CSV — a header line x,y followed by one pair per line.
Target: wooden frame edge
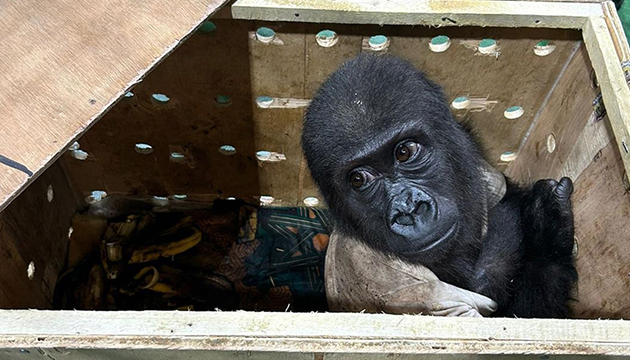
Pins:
x,y
310,332
608,49
498,13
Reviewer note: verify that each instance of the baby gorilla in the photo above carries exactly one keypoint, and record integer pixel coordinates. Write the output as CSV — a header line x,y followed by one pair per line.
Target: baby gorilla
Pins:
x,y
398,172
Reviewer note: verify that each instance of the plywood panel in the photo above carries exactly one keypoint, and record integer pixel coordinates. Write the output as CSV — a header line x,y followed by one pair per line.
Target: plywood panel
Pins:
x,y
113,163
517,77
583,150
206,66
602,209
66,62
278,71
563,116
34,229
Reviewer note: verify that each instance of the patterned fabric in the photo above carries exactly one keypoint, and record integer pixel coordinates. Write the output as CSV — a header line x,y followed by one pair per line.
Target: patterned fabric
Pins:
x,y
291,252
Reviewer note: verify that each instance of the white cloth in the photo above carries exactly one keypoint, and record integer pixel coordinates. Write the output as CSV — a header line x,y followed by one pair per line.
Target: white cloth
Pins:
x,y
361,279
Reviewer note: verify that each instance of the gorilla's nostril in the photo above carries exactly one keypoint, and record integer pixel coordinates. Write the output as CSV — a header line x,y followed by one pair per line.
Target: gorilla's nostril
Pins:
x,y
404,219
423,208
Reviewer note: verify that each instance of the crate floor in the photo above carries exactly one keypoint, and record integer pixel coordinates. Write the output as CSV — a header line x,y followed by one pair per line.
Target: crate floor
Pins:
x,y
231,257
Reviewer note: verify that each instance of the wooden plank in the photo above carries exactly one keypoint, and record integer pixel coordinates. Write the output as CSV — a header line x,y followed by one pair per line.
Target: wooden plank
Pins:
x,y
583,151
278,72
310,332
118,354
421,12
601,47
150,354
616,30
34,229
601,210
64,63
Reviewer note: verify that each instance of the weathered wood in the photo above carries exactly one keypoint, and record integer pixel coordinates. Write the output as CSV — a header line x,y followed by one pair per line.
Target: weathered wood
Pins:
x,y
34,229
140,354
205,66
421,12
278,71
150,354
314,332
601,210
600,43
517,77
64,63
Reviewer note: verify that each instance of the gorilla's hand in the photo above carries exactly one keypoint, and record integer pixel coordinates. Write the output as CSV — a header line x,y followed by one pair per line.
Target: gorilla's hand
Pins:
x,y
548,219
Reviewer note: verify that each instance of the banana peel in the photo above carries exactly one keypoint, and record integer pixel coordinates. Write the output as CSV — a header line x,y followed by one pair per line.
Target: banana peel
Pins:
x,y
83,287
115,239
154,283
176,288
167,249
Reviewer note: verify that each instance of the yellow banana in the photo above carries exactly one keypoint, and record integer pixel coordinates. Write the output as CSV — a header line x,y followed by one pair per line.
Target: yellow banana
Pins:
x,y
154,252
163,288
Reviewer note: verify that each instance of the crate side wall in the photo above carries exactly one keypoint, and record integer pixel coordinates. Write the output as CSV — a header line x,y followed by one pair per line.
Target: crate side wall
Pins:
x,y
34,232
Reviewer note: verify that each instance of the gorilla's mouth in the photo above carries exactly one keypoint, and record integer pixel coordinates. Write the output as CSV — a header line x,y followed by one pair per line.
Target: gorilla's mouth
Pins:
x,y
420,222
411,244
452,230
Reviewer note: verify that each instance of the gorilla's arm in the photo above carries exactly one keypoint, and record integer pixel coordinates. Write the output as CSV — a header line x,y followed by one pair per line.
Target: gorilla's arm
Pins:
x,y
526,262
548,275
500,256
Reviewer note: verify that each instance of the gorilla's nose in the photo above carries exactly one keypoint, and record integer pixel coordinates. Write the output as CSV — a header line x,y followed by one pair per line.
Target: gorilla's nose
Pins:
x,y
410,212
404,219
422,208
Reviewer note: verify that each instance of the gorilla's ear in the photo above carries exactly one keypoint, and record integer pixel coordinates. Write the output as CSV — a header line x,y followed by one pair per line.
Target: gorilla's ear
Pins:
x,y
495,184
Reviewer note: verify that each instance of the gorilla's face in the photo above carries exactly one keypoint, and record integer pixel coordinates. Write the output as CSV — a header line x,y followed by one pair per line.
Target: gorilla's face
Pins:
x,y
401,185
393,165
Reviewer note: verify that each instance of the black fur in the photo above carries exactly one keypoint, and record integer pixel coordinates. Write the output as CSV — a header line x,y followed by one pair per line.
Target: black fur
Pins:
x,y
428,209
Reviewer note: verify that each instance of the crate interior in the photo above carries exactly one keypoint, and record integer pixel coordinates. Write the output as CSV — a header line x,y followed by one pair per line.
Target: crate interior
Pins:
x,y
165,142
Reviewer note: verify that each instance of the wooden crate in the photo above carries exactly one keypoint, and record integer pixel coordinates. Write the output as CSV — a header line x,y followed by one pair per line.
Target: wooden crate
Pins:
x,y
66,65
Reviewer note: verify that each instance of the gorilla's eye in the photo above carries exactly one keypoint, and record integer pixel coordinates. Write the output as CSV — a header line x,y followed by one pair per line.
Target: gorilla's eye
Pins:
x,y
360,178
407,150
